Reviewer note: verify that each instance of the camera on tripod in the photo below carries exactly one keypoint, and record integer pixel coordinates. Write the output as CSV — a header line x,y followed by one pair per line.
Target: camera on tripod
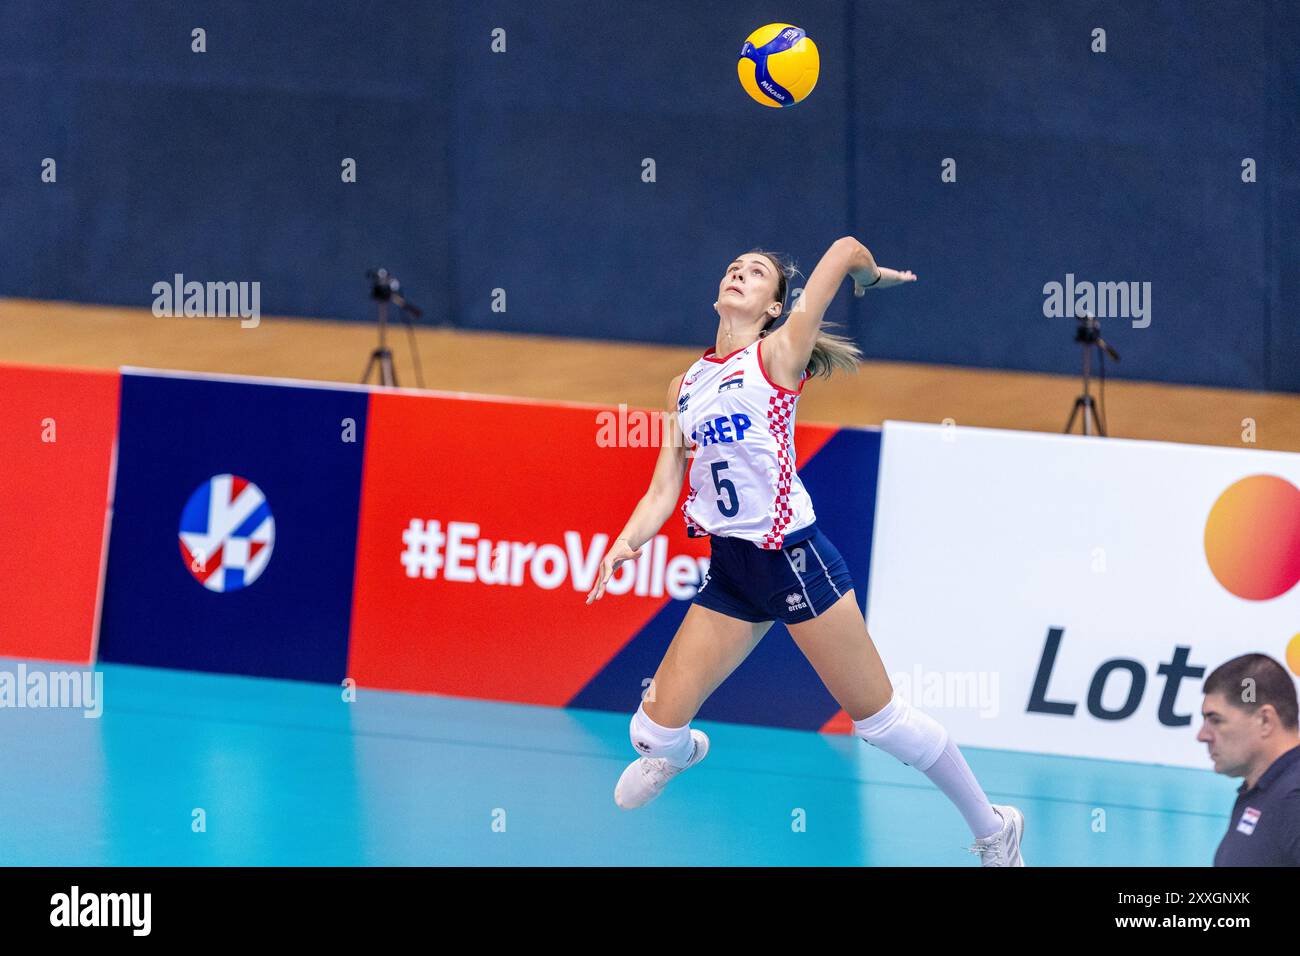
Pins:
x,y
382,285
385,289
1088,331
1088,334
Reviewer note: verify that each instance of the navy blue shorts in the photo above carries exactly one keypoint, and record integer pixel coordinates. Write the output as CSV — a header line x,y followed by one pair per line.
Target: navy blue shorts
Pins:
x,y
793,584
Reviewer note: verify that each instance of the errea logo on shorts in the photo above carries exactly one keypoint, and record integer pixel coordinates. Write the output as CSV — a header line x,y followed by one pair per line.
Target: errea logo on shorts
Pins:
x,y
464,557
795,601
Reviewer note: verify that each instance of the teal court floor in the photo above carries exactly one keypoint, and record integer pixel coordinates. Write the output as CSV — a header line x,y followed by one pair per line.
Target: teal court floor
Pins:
x,y
186,769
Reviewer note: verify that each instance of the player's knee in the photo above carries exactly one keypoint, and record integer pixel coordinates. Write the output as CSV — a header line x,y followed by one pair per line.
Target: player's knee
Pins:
x,y
899,729
655,740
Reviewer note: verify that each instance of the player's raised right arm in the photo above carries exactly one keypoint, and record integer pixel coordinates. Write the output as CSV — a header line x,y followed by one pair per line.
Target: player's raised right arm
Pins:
x,y
658,502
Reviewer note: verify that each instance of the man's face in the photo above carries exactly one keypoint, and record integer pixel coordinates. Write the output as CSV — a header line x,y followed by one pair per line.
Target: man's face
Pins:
x,y
1231,733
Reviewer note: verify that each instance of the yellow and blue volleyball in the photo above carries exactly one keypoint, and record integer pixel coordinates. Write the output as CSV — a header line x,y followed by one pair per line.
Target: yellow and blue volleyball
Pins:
x,y
778,65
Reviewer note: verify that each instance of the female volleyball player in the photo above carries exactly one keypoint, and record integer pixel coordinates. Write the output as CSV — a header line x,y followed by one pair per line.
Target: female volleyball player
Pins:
x,y
768,558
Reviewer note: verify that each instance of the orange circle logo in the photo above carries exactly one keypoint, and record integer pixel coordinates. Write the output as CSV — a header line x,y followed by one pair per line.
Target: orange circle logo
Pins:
x,y
1293,655
1252,537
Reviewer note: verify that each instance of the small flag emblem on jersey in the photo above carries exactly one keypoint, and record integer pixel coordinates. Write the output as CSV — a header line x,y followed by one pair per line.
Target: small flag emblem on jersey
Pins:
x,y
735,379
1249,817
227,533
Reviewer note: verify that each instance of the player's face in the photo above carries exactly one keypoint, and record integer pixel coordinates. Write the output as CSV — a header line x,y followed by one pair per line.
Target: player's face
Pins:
x,y
749,285
1229,734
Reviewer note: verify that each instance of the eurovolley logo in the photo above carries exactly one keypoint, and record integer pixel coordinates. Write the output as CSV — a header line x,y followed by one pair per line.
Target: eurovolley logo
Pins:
x,y
1252,543
227,533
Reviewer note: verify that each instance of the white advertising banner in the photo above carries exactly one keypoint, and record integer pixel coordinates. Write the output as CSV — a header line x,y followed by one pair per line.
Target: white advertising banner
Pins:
x,y
1069,595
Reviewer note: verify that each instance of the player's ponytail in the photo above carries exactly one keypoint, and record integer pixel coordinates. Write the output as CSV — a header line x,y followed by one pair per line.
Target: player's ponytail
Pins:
x,y
830,351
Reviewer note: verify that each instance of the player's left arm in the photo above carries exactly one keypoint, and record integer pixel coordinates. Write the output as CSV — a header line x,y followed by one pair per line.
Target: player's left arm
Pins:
x,y
787,350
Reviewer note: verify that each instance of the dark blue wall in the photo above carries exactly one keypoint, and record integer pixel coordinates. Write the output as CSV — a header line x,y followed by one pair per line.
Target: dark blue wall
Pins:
x,y
522,170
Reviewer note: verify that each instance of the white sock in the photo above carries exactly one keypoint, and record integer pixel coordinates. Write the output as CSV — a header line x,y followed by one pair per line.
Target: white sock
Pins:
x,y
951,774
920,741
675,744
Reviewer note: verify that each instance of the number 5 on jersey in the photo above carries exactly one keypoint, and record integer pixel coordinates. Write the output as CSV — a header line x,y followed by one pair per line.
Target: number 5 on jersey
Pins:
x,y
724,486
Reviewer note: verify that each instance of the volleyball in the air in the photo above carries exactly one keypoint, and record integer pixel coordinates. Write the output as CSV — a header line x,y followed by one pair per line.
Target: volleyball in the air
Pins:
x,y
778,65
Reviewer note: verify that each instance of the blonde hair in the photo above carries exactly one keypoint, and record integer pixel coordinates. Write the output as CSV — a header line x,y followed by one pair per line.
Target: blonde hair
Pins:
x,y
830,351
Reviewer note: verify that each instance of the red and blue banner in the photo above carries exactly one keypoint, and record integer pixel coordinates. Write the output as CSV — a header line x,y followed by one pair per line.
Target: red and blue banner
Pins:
x,y
234,533
427,543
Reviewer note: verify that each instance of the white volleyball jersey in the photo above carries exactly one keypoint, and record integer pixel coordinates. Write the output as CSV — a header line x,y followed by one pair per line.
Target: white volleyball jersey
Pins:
x,y
740,423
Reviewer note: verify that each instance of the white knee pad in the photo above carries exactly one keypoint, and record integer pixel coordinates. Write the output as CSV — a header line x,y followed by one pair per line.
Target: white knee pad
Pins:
x,y
654,740
911,735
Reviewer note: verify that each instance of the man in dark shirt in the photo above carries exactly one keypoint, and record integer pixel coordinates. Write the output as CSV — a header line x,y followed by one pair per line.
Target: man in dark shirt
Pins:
x,y
1251,730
